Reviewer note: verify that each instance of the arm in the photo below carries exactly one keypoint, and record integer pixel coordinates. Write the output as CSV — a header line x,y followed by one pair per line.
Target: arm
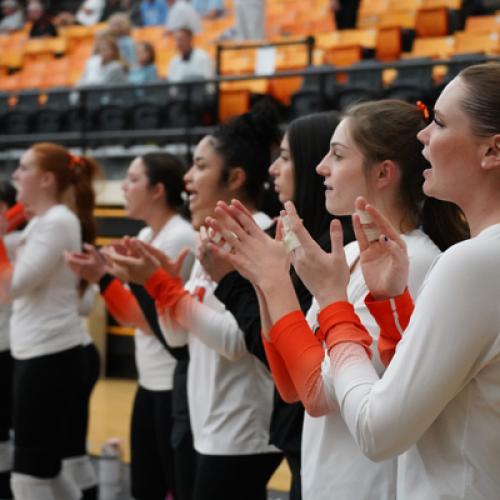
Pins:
x,y
450,338
217,329
393,316
122,304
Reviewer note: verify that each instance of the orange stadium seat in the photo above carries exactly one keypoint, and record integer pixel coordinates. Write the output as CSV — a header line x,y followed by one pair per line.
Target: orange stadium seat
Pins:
x,y
432,21
486,43
482,24
435,47
389,44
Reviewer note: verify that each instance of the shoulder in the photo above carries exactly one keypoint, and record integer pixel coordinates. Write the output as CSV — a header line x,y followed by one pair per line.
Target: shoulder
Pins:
x,y
60,214
179,229
145,234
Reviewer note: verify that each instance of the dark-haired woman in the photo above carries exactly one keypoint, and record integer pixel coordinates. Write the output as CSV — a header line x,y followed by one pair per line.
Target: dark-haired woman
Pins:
x,y
437,406
46,331
364,159
229,390
152,191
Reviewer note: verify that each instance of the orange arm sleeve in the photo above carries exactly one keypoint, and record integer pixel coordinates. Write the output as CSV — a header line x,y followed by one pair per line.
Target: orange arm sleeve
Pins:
x,y
302,354
165,289
5,271
16,216
284,384
340,323
393,316
123,306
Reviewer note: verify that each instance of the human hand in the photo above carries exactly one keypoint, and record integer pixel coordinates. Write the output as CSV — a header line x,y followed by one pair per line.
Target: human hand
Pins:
x,y
89,265
384,262
325,275
214,265
261,259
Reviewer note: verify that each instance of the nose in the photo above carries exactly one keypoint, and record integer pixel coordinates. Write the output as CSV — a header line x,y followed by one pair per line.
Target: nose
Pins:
x,y
273,169
323,167
188,176
423,135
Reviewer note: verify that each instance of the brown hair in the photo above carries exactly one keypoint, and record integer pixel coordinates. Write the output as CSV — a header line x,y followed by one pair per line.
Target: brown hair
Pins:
x,y
73,175
150,50
482,99
387,130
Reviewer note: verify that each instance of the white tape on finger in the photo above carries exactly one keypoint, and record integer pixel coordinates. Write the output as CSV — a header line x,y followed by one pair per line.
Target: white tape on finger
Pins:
x,y
290,238
371,231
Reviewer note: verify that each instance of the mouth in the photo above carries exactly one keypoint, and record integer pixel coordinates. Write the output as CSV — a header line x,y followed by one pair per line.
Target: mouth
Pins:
x,y
328,188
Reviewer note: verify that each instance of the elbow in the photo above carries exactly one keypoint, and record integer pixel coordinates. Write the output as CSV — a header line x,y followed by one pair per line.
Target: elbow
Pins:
x,y
315,410
382,450
233,353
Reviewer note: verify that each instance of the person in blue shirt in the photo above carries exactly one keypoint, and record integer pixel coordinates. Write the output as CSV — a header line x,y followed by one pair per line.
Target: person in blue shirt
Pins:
x,y
153,12
209,9
120,27
145,70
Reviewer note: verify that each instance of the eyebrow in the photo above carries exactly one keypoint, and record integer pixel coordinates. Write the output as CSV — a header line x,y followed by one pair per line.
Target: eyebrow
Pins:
x,y
333,144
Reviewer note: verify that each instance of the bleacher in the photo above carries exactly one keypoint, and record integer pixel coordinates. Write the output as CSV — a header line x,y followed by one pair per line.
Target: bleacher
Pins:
x,y
37,76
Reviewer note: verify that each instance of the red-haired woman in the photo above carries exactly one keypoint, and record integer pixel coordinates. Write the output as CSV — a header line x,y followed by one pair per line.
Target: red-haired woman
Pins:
x,y
46,331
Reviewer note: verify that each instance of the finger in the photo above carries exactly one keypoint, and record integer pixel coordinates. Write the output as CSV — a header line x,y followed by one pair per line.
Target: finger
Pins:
x,y
182,257
237,204
125,261
145,255
231,230
280,231
359,233
246,221
298,228
336,237
394,248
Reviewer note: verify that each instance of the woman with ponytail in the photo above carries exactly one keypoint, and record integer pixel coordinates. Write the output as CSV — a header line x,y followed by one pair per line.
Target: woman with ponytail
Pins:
x,y
230,392
46,331
375,153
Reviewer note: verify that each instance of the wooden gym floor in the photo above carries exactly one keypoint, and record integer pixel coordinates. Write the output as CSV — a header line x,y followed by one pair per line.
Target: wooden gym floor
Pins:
x,y
110,411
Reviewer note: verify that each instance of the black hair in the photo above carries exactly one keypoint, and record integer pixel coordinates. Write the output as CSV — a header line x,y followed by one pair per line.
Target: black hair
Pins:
x,y
309,139
166,169
246,142
8,193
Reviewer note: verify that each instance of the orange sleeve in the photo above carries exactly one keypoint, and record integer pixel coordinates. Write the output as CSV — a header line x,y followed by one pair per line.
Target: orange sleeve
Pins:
x,y
302,354
16,216
165,289
123,306
282,379
340,323
393,316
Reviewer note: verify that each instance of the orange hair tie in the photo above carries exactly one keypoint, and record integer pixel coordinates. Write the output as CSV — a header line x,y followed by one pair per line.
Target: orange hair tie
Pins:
x,y
73,161
424,109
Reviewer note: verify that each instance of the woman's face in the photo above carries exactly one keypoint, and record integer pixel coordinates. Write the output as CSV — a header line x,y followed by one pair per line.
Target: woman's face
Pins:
x,y
282,169
203,182
344,173
28,179
137,191
451,148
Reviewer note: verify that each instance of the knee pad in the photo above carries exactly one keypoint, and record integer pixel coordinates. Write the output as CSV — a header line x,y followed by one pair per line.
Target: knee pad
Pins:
x,y
27,487
64,488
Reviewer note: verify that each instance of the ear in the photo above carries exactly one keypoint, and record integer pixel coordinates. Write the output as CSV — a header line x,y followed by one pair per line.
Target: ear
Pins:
x,y
158,192
47,180
385,173
491,159
237,178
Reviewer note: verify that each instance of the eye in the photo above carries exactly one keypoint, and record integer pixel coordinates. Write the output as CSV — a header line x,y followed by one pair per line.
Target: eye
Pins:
x,y
336,155
438,123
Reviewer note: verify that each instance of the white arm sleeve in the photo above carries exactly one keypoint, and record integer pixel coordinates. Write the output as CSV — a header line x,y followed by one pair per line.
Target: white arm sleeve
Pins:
x,y
451,333
174,334
217,329
41,255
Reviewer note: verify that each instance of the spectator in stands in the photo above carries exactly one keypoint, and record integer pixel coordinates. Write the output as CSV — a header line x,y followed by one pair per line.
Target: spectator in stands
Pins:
x,y
145,69
90,12
181,14
104,66
345,13
41,24
209,9
190,63
120,27
13,18
153,12
114,7
249,19
63,12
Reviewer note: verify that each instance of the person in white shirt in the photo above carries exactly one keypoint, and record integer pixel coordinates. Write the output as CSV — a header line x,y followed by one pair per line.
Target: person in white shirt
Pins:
x,y
437,405
191,63
13,18
250,19
153,193
230,391
365,159
90,12
181,14
46,333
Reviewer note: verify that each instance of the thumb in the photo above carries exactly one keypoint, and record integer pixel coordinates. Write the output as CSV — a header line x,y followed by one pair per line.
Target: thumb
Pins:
x,y
181,258
297,226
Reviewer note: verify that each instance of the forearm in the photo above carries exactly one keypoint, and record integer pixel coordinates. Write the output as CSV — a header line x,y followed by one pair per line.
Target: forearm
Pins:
x,y
216,329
